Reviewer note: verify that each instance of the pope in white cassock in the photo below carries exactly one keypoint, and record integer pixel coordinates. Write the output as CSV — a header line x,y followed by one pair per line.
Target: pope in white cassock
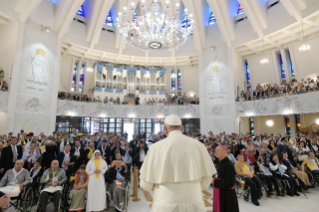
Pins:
x,y
177,169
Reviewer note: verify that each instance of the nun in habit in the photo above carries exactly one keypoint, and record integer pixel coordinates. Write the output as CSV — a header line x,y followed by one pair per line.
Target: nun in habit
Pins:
x,y
96,168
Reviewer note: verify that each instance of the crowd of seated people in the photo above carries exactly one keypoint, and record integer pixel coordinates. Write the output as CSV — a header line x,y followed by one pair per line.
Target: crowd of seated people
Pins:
x,y
275,156
108,157
268,91
52,160
174,100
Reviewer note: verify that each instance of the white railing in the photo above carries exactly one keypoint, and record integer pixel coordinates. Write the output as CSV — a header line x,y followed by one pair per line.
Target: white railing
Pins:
x,y
73,108
295,104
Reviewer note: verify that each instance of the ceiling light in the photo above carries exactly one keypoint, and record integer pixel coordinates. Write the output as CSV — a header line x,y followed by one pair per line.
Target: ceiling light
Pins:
x,y
89,69
264,61
304,47
154,30
46,28
269,123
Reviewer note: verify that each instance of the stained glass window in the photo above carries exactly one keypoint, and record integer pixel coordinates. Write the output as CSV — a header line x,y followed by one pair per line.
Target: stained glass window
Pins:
x,y
240,10
291,67
251,126
282,69
135,14
109,20
75,72
212,19
247,73
287,124
186,22
81,11
173,82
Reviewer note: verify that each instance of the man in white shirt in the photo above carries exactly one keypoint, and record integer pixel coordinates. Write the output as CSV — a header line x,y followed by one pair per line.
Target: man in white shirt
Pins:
x,y
29,157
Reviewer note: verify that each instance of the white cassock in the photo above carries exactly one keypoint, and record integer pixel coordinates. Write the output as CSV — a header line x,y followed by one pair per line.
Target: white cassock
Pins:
x,y
177,169
96,198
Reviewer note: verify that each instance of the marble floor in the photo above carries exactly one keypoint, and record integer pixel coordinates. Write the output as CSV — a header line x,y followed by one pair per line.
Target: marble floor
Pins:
x,y
273,204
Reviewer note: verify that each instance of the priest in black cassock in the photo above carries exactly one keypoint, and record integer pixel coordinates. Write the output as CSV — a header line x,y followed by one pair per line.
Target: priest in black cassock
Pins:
x,y
225,198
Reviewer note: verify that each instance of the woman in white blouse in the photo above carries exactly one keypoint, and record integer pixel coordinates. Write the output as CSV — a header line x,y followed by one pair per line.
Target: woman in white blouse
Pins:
x,y
303,151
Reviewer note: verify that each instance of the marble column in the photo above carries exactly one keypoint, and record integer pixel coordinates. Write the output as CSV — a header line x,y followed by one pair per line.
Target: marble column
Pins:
x,y
32,102
216,86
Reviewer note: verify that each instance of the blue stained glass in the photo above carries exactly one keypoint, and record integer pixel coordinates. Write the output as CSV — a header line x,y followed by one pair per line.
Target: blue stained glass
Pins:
x,y
240,10
212,19
109,21
186,22
135,14
81,11
247,72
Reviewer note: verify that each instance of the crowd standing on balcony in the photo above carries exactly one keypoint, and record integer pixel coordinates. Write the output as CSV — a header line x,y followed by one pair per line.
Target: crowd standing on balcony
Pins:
x,y
173,100
284,89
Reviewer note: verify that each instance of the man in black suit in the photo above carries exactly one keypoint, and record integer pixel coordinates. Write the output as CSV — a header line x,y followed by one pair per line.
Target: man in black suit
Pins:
x,y
142,135
9,155
105,150
79,155
139,152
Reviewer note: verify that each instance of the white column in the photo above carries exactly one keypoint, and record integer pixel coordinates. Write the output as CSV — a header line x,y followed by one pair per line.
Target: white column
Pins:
x,y
56,85
15,75
216,87
35,80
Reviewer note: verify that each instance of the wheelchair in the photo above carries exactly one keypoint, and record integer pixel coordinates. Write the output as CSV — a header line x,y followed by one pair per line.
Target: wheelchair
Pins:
x,y
109,200
62,201
68,196
25,200
244,191
312,177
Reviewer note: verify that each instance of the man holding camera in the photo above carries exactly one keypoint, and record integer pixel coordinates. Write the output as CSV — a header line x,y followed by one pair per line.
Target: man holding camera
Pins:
x,y
139,152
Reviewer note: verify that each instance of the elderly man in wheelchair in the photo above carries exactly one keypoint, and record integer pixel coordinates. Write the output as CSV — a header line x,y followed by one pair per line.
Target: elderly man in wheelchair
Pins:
x,y
16,184
117,178
53,179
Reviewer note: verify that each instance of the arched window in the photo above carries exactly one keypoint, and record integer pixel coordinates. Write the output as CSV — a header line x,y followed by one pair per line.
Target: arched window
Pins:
x,y
212,19
109,20
186,22
81,11
240,10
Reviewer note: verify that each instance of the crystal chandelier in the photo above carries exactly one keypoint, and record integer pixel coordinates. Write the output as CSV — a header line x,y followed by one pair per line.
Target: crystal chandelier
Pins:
x,y
264,61
154,29
304,47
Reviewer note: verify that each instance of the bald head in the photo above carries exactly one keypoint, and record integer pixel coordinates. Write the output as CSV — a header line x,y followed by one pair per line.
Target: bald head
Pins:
x,y
220,152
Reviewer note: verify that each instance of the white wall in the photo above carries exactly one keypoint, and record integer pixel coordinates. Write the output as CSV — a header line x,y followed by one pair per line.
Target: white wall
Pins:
x,y
307,63
44,14
3,122
238,71
190,79
261,127
8,38
65,74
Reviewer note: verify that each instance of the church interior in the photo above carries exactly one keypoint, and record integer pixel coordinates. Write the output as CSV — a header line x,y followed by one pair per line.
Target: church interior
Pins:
x,y
95,70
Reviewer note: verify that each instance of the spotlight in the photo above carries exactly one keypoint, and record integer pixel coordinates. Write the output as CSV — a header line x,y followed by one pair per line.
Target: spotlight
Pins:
x,y
269,123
